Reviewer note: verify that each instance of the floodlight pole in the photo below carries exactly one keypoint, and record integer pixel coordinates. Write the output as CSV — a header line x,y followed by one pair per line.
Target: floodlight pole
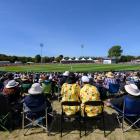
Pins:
x,y
82,47
41,46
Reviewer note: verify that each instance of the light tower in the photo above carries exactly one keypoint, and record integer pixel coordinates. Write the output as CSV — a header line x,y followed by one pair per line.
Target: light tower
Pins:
x,y
41,47
82,47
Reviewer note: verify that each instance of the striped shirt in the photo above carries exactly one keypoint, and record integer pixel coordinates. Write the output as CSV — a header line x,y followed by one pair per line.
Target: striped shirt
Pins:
x,y
108,81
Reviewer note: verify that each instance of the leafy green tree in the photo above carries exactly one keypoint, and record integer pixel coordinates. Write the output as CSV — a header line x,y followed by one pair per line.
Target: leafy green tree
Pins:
x,y
46,59
57,59
115,51
37,58
73,58
138,57
52,59
60,56
66,58
126,58
14,58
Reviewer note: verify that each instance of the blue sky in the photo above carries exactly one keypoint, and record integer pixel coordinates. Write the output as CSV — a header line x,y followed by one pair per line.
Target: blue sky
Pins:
x,y
63,25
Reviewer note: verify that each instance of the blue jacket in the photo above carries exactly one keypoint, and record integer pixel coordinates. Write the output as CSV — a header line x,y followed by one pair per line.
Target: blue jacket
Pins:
x,y
35,103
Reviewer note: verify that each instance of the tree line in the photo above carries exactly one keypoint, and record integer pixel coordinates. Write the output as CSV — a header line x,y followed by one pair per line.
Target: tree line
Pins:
x,y
24,59
114,51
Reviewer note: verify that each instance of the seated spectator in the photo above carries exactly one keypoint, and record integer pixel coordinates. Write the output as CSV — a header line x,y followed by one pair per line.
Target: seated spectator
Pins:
x,y
89,93
135,78
12,91
99,84
25,84
110,79
64,77
111,85
132,92
36,102
5,112
46,85
1,84
99,81
8,77
55,87
70,92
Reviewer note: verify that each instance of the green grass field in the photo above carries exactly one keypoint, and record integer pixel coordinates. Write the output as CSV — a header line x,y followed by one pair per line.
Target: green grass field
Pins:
x,y
70,67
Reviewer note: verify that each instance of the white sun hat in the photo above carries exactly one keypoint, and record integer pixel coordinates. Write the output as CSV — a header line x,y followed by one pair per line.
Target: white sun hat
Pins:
x,y
132,89
35,89
11,84
50,77
85,79
135,78
66,73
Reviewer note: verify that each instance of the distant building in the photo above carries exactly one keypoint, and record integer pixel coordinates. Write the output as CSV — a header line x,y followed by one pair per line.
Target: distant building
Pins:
x,y
54,61
18,62
76,60
109,60
89,60
4,63
30,63
97,61
137,61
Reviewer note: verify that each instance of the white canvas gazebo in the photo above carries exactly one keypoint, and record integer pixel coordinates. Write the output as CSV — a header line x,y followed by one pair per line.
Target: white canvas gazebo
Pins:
x,y
83,59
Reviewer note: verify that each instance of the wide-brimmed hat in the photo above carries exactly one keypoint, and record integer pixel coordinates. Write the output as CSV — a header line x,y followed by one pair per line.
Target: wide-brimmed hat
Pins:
x,y
50,77
11,84
24,78
135,78
35,89
85,79
132,89
110,75
40,80
66,73
99,78
135,73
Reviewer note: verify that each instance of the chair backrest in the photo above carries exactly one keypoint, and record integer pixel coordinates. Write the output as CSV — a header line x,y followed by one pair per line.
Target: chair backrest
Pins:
x,y
94,103
70,103
34,112
25,87
131,106
113,88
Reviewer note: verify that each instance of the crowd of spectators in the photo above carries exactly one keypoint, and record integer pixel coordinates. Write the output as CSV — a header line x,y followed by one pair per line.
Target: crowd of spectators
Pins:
x,y
35,89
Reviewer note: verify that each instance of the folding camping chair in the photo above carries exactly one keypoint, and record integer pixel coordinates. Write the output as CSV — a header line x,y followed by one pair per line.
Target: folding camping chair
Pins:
x,y
113,89
35,119
4,113
25,88
76,115
130,113
100,116
59,96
